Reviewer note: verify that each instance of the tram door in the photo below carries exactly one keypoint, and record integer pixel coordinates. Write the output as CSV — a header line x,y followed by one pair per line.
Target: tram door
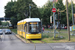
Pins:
x,y
26,29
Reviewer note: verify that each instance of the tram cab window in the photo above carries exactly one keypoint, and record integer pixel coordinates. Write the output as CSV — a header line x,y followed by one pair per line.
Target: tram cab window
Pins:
x,y
34,27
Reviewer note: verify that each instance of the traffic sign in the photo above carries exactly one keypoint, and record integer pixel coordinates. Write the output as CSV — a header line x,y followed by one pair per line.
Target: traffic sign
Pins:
x,y
50,19
53,10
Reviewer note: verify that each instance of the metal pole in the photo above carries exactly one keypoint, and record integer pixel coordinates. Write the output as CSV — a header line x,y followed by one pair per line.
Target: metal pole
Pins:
x,y
41,28
54,20
67,20
58,18
29,11
72,12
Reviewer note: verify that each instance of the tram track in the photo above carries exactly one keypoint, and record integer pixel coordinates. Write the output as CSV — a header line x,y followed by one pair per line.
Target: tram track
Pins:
x,y
42,41
46,44
35,43
30,41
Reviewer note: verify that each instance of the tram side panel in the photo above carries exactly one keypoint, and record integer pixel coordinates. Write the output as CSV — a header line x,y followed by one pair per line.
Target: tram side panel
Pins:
x,y
23,31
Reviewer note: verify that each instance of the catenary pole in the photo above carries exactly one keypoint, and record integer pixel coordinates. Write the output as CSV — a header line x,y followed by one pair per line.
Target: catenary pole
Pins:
x,y
67,20
30,10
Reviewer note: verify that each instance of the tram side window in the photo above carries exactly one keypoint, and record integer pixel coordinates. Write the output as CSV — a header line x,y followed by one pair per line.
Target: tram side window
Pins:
x,y
17,27
27,26
24,27
20,27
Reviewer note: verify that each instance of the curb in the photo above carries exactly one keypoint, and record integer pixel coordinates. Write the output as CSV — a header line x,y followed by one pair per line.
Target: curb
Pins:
x,y
19,37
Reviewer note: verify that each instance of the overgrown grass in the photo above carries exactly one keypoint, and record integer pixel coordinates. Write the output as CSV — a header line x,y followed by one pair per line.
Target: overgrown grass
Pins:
x,y
61,37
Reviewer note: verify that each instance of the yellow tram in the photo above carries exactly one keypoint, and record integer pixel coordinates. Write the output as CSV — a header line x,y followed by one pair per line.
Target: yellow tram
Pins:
x,y
30,28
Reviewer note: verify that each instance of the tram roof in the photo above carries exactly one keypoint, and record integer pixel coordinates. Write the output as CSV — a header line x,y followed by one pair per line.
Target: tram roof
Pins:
x,y
30,20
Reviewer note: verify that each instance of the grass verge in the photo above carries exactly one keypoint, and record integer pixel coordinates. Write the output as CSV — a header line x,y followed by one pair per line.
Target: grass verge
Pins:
x,y
14,30
48,37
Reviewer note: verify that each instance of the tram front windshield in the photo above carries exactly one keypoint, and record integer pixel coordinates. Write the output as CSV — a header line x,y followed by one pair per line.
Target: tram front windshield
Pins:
x,y
34,27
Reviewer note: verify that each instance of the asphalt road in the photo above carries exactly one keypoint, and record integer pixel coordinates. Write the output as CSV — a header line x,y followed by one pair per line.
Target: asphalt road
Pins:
x,y
11,42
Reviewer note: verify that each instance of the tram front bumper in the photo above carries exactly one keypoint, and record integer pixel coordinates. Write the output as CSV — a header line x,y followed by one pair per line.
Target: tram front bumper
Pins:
x,y
33,36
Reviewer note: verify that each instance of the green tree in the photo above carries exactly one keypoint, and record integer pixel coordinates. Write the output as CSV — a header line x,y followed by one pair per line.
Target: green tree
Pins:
x,y
22,9
13,21
8,10
61,8
70,13
46,12
0,23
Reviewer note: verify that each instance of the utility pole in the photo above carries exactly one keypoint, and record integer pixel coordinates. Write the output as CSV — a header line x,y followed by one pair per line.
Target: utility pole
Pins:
x,y
67,20
72,12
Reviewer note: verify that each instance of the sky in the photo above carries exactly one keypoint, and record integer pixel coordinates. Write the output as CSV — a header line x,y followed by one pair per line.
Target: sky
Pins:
x,y
2,4
39,3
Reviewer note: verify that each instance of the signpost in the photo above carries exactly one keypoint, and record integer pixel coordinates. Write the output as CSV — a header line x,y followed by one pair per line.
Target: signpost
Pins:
x,y
54,10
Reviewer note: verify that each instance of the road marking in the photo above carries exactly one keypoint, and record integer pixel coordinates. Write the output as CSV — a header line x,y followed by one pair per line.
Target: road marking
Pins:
x,y
68,47
65,46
